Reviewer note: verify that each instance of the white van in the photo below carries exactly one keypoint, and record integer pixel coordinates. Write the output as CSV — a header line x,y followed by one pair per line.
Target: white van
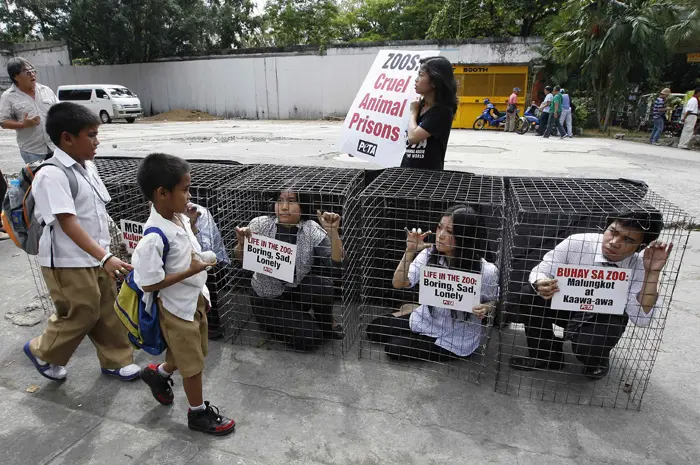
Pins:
x,y
108,101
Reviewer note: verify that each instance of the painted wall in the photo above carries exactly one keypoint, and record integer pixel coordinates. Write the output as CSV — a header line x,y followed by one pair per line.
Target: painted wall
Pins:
x,y
270,86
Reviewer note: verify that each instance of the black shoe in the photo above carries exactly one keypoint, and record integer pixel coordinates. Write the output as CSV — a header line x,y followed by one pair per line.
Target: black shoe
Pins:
x,y
160,387
531,364
210,421
597,372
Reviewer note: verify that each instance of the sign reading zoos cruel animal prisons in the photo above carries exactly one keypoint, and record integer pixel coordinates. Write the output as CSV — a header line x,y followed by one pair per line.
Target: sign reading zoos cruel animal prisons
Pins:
x,y
132,232
270,257
592,289
452,289
375,127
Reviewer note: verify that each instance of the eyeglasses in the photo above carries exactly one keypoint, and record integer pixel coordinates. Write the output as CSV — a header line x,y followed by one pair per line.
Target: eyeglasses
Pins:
x,y
29,71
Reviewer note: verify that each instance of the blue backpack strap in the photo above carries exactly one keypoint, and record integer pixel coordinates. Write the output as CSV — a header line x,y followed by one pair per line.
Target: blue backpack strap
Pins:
x,y
166,244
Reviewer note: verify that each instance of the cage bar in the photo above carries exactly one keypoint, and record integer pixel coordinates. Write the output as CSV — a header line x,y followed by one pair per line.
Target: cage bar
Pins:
x,y
570,355
446,341
318,310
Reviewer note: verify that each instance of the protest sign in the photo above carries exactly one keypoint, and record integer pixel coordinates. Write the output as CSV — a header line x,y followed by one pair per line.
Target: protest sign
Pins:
x,y
270,257
452,289
592,289
375,127
132,232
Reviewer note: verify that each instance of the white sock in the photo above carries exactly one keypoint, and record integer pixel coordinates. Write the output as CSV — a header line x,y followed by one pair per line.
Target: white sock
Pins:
x,y
162,372
198,409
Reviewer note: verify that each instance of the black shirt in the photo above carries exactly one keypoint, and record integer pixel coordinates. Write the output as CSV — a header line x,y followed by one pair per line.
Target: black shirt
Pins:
x,y
430,153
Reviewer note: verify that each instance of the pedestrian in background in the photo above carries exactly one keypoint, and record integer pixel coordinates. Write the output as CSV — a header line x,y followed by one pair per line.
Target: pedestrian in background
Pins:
x,y
690,117
544,109
659,115
511,116
565,118
23,107
555,114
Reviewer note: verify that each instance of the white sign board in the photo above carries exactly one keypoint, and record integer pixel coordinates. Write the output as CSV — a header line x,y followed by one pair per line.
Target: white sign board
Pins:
x,y
592,289
452,289
270,257
375,127
132,232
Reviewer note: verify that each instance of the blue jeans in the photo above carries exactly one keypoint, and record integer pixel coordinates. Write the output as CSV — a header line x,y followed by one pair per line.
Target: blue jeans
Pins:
x,y
32,157
658,130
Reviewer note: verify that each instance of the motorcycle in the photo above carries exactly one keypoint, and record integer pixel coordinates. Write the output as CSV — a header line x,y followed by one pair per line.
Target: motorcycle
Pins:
x,y
486,119
528,121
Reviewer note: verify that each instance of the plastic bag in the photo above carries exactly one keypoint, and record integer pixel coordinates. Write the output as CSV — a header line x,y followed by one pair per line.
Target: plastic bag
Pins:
x,y
209,236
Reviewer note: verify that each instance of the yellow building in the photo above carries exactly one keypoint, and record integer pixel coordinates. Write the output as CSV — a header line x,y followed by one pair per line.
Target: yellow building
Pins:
x,y
495,82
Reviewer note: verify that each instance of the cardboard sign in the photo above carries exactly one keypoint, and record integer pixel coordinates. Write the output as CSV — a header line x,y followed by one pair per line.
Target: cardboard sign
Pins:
x,y
270,257
375,127
452,289
593,289
132,232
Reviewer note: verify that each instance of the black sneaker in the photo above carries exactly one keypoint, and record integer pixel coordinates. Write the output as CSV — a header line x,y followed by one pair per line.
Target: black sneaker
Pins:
x,y
160,387
210,421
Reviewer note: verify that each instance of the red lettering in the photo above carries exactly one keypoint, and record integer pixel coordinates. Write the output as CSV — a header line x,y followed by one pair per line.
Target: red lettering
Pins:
x,y
448,302
355,118
267,269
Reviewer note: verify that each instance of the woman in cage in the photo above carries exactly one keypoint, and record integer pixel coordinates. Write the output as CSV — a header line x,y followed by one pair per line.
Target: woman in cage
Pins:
x,y
431,117
431,333
299,313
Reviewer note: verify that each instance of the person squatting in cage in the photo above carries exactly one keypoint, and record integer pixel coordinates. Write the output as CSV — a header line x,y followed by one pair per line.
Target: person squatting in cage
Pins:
x,y
431,333
629,241
284,309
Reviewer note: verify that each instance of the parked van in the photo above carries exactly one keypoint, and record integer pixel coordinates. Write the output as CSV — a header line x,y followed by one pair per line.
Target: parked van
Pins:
x,y
108,101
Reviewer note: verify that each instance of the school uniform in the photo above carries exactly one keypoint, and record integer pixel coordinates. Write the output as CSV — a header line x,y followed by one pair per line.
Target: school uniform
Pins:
x,y
593,335
434,333
182,306
82,292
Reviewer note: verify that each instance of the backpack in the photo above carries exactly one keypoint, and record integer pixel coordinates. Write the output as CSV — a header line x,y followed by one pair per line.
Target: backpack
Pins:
x,y
18,206
143,326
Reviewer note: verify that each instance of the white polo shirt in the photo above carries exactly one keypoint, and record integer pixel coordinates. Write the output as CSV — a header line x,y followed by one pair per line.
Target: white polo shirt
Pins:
x,y
180,299
14,104
53,197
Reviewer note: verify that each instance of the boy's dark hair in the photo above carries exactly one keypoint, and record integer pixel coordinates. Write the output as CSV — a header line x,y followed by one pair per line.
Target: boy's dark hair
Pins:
x,y
649,221
71,118
160,170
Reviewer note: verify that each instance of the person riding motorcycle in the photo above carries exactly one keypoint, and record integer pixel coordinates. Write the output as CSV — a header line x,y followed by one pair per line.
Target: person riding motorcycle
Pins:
x,y
490,111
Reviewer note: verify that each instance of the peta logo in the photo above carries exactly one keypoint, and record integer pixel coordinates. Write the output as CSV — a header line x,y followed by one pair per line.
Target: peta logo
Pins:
x,y
368,148
267,269
448,302
586,307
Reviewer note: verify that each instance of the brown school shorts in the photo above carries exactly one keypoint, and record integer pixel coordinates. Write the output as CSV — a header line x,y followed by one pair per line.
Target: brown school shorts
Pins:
x,y
187,341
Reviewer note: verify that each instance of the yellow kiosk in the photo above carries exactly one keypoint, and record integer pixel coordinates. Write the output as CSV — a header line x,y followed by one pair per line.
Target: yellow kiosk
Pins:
x,y
495,82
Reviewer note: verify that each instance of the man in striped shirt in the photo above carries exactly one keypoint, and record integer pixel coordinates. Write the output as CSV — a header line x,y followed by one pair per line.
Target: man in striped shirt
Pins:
x,y
658,113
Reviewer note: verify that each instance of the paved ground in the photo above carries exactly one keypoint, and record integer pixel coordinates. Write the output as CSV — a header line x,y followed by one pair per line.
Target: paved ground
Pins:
x,y
311,409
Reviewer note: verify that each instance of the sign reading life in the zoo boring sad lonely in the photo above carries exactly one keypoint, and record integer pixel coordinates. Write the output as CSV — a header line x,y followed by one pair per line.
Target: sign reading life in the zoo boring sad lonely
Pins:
x,y
592,289
451,289
270,257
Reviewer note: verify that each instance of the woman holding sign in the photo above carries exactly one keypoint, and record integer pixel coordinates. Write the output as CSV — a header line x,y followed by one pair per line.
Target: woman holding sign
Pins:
x,y
433,333
283,309
431,117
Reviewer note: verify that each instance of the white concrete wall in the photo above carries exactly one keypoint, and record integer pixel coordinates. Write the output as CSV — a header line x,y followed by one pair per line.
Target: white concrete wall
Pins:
x,y
283,86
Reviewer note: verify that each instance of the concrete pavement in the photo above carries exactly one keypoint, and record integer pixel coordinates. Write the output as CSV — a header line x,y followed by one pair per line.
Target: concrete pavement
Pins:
x,y
311,409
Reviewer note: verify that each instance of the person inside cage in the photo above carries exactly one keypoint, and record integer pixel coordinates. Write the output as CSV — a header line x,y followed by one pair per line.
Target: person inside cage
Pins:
x,y
431,333
629,241
283,309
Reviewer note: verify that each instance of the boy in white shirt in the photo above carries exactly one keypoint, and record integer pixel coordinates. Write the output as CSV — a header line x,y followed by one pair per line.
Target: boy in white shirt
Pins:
x,y
629,241
74,253
180,279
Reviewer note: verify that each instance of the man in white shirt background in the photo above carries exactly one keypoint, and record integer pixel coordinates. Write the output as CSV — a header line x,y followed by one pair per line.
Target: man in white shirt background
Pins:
x,y
630,242
23,107
544,110
689,118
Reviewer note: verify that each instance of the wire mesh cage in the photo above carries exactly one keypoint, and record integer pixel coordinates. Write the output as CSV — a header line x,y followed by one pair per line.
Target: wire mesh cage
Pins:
x,y
593,337
433,321
130,210
295,283
108,167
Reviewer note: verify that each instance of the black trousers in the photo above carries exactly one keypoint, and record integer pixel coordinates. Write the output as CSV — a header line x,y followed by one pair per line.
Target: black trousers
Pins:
x,y
544,118
400,342
288,317
591,341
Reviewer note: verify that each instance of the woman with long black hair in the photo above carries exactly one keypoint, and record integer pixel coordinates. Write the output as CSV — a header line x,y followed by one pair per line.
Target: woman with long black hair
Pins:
x,y
431,333
431,116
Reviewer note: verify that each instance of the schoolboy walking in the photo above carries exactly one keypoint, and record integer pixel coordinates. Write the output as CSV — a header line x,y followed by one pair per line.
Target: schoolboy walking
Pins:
x,y
74,252
179,277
